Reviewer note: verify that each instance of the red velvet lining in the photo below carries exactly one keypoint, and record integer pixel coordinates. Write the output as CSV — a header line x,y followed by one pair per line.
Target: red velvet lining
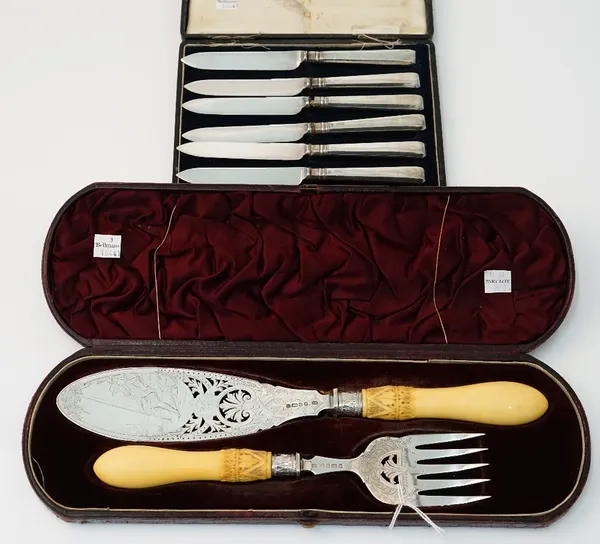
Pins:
x,y
327,267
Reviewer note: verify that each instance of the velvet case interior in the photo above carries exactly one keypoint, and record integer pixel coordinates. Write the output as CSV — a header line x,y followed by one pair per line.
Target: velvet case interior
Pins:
x,y
431,136
402,266
523,480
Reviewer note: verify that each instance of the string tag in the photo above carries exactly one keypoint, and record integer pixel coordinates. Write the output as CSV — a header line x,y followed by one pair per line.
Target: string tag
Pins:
x,y
437,264
424,516
156,273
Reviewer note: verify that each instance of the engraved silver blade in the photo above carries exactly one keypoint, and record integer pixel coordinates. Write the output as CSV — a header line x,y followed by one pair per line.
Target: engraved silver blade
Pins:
x,y
245,60
251,133
178,405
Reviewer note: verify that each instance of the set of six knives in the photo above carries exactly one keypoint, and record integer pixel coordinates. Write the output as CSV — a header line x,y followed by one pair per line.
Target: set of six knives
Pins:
x,y
294,116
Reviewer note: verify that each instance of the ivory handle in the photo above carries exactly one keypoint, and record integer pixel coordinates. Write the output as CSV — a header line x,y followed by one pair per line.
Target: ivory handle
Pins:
x,y
495,403
137,467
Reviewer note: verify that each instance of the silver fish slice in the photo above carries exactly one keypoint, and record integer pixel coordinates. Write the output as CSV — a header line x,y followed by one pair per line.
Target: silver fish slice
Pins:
x,y
389,467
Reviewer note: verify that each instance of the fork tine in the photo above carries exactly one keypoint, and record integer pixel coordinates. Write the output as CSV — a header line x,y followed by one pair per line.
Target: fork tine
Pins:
x,y
422,455
427,501
436,438
435,485
443,469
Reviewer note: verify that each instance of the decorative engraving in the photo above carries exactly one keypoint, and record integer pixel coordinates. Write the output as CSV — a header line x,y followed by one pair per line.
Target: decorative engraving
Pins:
x,y
174,404
285,465
389,471
391,403
242,465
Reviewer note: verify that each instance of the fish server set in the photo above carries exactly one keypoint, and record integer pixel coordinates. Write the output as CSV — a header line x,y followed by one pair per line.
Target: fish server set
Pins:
x,y
159,405
295,122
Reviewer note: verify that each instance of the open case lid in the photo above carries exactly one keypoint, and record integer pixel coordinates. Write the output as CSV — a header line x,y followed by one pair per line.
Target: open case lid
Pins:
x,y
317,18
403,268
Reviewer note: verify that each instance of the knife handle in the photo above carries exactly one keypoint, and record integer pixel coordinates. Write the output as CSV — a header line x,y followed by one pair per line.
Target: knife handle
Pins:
x,y
408,80
397,149
408,102
138,467
400,57
495,403
394,122
396,174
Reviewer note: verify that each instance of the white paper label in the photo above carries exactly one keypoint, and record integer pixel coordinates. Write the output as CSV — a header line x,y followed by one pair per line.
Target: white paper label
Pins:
x,y
498,281
227,4
107,246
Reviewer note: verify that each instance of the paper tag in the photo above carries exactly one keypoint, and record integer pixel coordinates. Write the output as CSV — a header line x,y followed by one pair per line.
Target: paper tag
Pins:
x,y
227,4
107,246
498,281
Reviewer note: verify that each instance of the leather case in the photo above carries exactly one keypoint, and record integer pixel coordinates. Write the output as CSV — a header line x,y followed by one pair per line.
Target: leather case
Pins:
x,y
315,25
313,288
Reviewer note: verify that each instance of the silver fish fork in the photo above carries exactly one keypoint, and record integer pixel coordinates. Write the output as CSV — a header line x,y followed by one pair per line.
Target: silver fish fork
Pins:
x,y
390,467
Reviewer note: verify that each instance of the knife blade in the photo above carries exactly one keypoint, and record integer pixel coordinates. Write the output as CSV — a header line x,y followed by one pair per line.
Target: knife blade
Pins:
x,y
295,151
294,86
158,404
290,60
296,131
293,176
292,105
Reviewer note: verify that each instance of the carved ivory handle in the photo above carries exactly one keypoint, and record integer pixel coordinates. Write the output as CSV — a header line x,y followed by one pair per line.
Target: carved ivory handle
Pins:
x,y
137,467
496,403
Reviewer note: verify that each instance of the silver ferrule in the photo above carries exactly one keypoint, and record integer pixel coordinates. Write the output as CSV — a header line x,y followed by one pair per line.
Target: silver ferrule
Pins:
x,y
347,403
319,102
285,465
313,56
317,149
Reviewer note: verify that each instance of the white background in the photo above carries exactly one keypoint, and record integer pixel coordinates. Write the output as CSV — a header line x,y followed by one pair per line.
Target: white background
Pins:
x,y
87,93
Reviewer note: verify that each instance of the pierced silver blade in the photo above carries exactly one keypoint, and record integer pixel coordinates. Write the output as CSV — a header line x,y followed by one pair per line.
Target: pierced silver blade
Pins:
x,y
423,455
437,438
245,60
176,405
276,105
427,501
446,469
249,87
251,133
436,485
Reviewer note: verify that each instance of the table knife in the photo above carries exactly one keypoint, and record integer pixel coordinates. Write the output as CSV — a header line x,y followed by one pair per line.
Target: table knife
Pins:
x,y
158,404
292,105
294,86
290,60
263,151
294,176
294,132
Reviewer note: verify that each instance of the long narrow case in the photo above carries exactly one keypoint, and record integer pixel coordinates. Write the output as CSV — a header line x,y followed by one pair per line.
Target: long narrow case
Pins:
x,y
348,287
247,26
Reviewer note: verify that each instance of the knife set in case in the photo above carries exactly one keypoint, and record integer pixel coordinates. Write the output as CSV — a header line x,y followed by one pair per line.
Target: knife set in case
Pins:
x,y
320,92
272,354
